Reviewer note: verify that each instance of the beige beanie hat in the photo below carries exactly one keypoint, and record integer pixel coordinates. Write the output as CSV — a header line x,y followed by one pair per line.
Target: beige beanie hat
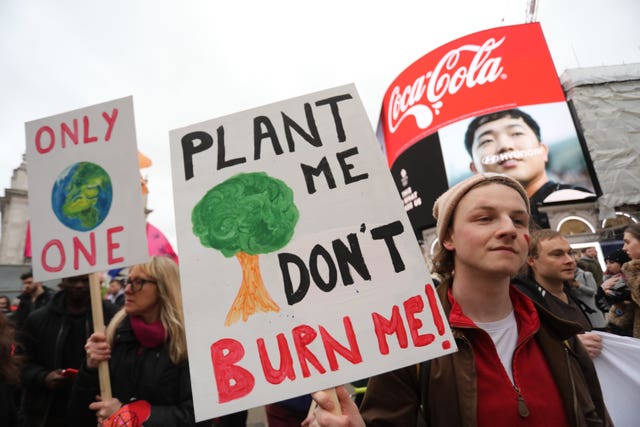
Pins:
x,y
445,205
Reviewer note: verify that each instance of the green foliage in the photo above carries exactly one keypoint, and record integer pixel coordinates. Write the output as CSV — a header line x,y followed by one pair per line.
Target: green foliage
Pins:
x,y
249,212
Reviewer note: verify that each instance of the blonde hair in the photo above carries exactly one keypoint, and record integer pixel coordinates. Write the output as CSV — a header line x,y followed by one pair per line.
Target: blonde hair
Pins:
x,y
537,237
165,272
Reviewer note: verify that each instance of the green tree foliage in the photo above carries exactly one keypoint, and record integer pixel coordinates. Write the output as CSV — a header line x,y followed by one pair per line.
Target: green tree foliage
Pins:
x,y
249,212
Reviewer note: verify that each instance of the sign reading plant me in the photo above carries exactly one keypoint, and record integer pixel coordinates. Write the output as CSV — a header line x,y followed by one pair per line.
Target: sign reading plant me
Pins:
x,y
85,202
299,268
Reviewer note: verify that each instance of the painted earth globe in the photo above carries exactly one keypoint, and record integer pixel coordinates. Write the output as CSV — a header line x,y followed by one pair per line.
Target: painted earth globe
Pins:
x,y
81,196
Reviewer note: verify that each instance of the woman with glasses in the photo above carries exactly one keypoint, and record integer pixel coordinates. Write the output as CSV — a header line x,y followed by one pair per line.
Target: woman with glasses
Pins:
x,y
146,349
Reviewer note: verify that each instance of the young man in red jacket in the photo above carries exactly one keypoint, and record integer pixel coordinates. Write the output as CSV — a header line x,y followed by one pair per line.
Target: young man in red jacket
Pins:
x,y
513,367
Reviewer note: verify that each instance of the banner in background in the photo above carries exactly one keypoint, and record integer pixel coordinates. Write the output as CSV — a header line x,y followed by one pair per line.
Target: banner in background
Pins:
x,y
432,141
617,368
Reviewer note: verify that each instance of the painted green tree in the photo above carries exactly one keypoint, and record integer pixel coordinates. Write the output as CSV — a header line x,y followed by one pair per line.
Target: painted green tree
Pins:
x,y
247,215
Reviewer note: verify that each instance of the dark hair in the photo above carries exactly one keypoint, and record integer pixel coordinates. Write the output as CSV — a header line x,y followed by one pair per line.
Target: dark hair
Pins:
x,y
74,279
27,275
492,117
618,256
10,362
119,281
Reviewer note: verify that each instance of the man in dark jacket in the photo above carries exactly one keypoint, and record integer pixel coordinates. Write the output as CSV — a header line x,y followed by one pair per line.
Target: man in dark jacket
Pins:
x,y
53,340
589,262
551,266
34,295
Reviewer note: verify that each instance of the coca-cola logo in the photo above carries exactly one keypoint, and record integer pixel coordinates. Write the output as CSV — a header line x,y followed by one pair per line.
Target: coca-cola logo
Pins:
x,y
423,98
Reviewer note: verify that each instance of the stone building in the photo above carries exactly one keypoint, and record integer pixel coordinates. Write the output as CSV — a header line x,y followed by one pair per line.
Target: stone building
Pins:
x,y
14,210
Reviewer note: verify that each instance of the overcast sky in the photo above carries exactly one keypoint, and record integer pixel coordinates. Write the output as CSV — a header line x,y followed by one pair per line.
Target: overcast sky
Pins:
x,y
189,61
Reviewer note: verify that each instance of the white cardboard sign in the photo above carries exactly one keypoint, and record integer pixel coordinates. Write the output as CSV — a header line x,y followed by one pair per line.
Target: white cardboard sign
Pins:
x,y
299,268
85,200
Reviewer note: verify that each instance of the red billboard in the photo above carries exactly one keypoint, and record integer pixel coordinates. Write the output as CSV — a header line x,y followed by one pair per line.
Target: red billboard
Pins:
x,y
487,102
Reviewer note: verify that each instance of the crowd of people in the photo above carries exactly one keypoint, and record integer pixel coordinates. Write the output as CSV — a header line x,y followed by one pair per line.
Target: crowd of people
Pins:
x,y
522,305
50,354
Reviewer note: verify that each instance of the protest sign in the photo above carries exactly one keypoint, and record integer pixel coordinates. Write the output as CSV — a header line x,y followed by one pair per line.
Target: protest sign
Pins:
x,y
429,108
85,202
299,268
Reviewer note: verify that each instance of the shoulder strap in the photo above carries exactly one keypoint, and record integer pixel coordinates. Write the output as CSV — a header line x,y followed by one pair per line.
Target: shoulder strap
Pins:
x,y
586,310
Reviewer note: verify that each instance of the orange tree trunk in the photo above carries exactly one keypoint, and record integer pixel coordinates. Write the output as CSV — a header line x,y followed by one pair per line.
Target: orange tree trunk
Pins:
x,y
252,296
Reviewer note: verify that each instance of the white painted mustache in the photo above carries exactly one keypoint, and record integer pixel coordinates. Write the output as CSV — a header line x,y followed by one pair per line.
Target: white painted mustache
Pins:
x,y
510,155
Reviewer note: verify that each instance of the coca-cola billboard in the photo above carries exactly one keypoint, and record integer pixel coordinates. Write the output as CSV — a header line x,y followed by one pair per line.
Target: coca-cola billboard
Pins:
x,y
487,102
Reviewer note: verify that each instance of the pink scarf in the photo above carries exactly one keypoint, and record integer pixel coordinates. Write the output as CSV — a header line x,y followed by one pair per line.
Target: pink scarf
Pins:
x,y
150,335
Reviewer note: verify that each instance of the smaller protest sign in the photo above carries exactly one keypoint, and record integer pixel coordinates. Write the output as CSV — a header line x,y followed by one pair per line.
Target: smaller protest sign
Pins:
x,y
85,202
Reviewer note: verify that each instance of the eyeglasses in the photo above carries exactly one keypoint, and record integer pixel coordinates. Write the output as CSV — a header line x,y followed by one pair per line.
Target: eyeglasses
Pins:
x,y
137,284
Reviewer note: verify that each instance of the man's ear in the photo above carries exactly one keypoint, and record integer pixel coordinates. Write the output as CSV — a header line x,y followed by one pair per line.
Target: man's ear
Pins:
x,y
472,167
545,152
530,261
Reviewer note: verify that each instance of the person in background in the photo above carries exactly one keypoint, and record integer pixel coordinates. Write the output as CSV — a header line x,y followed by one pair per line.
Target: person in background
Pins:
x,y
589,262
146,348
614,296
53,339
10,365
550,268
34,295
631,271
5,304
288,413
510,142
631,241
115,292
236,419
512,367
585,289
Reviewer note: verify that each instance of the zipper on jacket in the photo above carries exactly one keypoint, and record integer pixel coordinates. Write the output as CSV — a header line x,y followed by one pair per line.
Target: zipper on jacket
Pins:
x,y
523,410
566,347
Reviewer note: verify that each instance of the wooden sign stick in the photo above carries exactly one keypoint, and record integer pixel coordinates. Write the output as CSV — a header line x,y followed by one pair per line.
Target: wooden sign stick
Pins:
x,y
98,326
334,398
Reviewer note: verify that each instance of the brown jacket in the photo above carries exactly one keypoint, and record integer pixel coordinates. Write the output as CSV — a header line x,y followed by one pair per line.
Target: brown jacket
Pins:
x,y
631,271
395,398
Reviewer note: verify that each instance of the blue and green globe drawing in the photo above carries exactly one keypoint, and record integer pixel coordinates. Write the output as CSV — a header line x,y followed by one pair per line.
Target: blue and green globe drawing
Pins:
x,y
81,196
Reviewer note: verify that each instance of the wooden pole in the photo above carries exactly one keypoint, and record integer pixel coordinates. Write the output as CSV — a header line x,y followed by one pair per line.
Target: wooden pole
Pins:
x,y
334,398
98,326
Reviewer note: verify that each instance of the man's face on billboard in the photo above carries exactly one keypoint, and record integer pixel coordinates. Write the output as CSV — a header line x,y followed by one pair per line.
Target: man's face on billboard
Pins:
x,y
509,146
